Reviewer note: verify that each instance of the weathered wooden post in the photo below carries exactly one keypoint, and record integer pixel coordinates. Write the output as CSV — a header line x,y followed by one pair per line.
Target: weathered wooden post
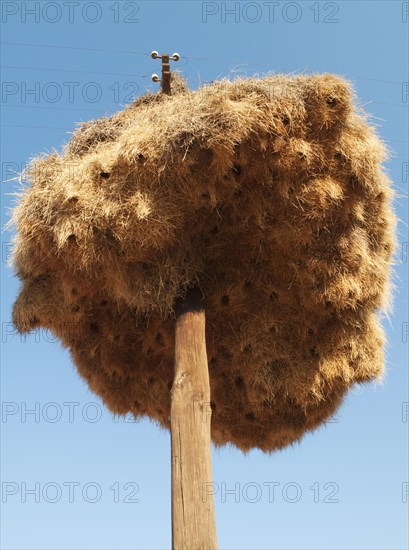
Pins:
x,y
193,515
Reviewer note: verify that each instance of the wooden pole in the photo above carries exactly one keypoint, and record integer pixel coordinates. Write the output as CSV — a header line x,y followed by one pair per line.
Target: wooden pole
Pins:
x,y
193,515
165,82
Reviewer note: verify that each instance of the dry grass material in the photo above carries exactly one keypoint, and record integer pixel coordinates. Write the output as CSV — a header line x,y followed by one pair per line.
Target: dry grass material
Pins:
x,y
270,195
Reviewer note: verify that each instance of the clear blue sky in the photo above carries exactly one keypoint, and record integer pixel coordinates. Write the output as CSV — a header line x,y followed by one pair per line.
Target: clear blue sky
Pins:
x,y
344,486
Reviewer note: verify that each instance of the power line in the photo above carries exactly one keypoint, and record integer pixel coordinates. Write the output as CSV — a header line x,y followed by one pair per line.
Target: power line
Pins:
x,y
182,57
376,79
29,126
265,66
53,108
370,101
145,74
70,70
73,48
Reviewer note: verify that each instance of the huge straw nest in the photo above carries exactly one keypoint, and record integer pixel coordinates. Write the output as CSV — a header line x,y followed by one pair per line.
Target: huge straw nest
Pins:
x,y
267,193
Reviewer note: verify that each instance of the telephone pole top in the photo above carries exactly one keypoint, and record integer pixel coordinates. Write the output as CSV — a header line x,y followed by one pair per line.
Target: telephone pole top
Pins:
x,y
165,80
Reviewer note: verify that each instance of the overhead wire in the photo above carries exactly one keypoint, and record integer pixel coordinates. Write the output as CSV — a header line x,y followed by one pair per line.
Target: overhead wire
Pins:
x,y
182,57
144,75
71,71
73,48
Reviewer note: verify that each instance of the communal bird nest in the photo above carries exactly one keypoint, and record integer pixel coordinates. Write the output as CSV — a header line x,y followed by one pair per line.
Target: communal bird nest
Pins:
x,y
269,195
